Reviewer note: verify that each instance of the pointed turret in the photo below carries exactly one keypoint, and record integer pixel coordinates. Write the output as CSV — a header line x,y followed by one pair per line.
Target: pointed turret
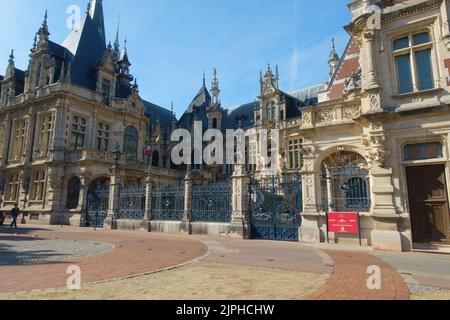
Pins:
x,y
123,62
11,67
96,14
333,60
215,91
43,34
116,41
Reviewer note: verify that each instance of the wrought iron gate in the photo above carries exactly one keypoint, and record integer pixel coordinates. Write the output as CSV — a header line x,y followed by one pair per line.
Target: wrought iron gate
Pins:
x,y
345,185
212,203
168,203
97,207
275,208
132,203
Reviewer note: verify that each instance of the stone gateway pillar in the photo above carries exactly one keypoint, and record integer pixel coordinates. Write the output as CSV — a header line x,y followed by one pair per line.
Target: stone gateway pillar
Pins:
x,y
146,223
187,216
239,220
113,208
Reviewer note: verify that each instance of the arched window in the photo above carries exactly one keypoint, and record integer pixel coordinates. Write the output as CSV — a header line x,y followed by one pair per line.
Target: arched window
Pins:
x,y
131,142
155,159
73,193
214,123
345,183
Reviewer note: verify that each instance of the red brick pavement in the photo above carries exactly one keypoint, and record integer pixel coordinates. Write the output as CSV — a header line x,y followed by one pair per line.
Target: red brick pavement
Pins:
x,y
349,280
134,254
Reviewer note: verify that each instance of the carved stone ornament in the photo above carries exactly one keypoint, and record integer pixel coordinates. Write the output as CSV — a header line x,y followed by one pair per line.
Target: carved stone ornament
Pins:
x,y
351,112
325,116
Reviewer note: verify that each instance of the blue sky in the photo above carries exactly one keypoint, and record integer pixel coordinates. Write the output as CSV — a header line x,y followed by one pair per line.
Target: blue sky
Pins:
x,y
171,42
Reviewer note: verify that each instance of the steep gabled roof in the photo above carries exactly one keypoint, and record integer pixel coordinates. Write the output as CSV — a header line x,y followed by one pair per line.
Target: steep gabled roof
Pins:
x,y
197,108
87,47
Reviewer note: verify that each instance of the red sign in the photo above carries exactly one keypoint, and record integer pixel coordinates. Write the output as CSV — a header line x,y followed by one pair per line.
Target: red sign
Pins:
x,y
343,222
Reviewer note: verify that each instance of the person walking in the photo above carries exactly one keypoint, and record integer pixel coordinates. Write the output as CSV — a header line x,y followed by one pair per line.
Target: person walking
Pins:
x,y
15,212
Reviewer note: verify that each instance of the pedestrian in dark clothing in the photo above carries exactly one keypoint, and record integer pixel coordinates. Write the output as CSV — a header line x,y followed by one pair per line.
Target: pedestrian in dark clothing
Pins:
x,y
15,212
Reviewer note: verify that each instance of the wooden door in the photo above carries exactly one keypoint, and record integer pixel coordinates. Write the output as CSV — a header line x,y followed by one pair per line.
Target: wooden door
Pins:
x,y
430,216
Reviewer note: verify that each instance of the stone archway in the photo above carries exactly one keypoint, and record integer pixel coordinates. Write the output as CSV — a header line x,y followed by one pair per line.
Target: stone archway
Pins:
x,y
344,183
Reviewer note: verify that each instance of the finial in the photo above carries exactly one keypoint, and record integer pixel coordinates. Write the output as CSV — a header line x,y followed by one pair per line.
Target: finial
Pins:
x,y
43,31
171,106
116,42
88,10
334,45
34,43
204,79
11,57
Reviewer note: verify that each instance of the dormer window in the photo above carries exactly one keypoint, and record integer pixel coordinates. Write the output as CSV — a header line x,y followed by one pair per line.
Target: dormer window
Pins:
x,y
413,62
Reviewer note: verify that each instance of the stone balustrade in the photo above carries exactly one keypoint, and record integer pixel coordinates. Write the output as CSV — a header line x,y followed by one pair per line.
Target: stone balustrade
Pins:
x,y
326,115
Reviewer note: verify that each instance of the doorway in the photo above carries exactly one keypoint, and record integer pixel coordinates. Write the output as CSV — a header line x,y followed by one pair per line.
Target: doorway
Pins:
x,y
430,216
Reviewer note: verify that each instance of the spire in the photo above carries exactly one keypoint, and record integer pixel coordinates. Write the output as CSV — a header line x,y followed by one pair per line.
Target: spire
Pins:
x,y
34,44
117,42
277,76
215,91
333,59
11,58
204,80
43,34
11,68
96,13
135,86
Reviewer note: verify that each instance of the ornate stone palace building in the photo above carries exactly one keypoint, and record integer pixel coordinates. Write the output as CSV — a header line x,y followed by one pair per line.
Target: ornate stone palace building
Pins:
x,y
373,138
62,119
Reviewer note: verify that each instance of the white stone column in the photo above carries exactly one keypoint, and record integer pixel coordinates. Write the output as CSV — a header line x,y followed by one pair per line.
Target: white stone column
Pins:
x,y
114,189
371,102
146,223
240,221
83,199
309,231
188,185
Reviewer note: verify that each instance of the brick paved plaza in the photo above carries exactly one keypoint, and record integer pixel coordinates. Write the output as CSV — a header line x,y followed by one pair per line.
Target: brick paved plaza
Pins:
x,y
142,266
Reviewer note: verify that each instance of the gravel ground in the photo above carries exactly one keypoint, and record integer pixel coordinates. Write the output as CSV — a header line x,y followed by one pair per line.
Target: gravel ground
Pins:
x,y
23,252
196,281
419,292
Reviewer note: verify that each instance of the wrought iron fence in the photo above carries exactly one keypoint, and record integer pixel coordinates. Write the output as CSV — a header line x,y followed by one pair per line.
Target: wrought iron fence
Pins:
x,y
212,203
168,203
132,203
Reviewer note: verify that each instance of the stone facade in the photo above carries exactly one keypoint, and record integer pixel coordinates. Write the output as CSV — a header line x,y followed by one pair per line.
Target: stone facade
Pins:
x,y
383,113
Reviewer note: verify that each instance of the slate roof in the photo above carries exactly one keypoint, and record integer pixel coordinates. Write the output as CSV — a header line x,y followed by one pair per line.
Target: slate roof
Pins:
x,y
244,113
197,108
84,48
165,116
308,96
87,48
